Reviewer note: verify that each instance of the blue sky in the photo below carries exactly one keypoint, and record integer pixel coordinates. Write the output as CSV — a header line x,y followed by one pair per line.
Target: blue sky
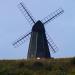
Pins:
x,y
13,25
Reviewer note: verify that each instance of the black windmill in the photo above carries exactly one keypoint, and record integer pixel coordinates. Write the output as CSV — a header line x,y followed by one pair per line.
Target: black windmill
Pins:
x,y
39,46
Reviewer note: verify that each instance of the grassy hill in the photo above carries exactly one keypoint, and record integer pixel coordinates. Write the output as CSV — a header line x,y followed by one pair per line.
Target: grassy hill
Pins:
x,y
64,66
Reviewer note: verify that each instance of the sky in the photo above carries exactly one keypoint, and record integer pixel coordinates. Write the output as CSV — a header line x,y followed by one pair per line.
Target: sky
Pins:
x,y
13,25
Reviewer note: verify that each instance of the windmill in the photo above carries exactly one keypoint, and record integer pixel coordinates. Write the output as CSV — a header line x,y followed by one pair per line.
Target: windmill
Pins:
x,y
39,46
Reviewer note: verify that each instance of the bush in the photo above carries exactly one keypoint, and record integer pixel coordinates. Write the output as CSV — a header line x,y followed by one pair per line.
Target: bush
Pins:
x,y
21,65
73,60
60,72
49,67
37,65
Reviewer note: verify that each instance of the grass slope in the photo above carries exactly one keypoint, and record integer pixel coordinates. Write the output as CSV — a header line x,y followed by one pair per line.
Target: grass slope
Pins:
x,y
65,66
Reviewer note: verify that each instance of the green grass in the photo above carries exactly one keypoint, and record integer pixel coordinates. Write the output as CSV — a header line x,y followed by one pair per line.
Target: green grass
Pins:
x,y
64,66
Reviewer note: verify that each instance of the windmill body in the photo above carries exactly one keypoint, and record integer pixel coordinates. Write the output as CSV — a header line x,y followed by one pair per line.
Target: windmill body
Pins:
x,y
39,46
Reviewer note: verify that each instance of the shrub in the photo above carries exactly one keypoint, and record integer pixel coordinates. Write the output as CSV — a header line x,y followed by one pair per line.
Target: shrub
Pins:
x,y
73,61
49,67
37,65
60,72
21,65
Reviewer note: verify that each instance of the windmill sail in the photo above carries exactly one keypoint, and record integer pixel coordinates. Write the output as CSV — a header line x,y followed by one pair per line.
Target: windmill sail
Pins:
x,y
52,16
21,40
51,44
26,13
